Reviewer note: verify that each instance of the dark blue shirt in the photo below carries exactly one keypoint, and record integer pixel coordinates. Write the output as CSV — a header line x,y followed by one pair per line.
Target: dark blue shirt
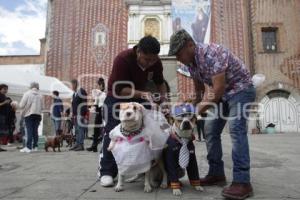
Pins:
x,y
57,108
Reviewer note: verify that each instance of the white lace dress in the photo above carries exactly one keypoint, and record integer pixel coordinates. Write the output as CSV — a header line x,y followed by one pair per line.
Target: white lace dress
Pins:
x,y
134,154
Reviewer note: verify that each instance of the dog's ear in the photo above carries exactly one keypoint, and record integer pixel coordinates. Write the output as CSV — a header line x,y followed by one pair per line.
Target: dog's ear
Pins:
x,y
139,106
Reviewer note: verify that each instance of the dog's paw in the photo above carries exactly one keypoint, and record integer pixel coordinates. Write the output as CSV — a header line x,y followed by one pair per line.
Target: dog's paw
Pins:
x,y
119,188
177,192
147,189
164,186
199,188
155,184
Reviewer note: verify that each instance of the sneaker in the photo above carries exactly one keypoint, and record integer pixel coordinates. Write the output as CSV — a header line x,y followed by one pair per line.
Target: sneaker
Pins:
x,y
238,191
35,149
25,150
106,181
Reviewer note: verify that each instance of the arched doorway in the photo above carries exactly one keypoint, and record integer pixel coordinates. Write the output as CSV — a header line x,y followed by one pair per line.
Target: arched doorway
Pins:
x,y
280,108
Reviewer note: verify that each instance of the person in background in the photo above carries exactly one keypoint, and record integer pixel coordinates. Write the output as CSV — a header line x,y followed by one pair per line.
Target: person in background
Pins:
x,y
67,124
4,109
98,104
79,114
32,104
200,126
199,27
56,113
23,131
11,120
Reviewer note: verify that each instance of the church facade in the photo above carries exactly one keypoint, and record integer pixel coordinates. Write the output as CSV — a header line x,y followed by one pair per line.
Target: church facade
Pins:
x,y
84,36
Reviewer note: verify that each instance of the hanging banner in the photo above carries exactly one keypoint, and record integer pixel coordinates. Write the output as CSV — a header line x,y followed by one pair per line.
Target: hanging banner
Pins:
x,y
194,17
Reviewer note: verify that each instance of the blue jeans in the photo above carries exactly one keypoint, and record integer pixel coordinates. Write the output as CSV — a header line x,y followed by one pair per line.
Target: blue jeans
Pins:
x,y
32,123
57,125
232,108
79,130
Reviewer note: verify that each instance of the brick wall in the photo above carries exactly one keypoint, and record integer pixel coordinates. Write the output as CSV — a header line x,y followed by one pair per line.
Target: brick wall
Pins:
x,y
228,29
70,51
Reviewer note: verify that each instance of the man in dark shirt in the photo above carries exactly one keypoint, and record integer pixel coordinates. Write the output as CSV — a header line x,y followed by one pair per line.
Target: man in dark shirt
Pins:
x,y
79,114
4,109
132,69
57,110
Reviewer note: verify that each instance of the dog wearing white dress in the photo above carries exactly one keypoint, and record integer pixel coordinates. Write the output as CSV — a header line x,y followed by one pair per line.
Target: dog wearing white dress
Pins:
x,y
137,141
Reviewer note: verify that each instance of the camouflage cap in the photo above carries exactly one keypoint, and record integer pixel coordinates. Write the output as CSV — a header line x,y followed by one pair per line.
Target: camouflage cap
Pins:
x,y
178,40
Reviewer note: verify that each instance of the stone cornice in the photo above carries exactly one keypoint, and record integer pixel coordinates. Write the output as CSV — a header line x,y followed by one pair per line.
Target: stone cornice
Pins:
x,y
148,2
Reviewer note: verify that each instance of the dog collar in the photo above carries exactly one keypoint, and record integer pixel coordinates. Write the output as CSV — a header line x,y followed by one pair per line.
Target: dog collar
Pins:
x,y
131,134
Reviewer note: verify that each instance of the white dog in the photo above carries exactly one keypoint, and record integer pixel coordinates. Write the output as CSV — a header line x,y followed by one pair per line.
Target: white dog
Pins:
x,y
136,142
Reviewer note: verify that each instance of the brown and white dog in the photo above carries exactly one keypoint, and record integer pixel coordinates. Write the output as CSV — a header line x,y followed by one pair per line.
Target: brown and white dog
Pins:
x,y
184,124
69,138
132,119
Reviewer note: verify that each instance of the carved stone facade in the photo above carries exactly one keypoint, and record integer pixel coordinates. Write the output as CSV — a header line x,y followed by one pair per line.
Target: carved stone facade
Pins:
x,y
149,18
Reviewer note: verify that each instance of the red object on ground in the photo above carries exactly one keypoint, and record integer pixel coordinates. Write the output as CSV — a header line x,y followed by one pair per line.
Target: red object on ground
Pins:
x,y
4,140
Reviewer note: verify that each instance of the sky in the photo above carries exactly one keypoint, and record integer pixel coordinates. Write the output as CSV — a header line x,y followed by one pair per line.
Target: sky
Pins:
x,y
22,24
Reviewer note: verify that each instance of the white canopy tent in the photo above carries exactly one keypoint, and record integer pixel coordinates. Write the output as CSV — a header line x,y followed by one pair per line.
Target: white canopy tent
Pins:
x,y
18,81
19,77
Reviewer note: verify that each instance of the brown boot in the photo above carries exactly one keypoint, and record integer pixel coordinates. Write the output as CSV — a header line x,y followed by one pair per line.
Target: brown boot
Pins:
x,y
238,191
213,180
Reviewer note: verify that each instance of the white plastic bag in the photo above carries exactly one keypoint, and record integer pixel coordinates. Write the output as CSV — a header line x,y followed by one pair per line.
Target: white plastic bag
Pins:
x,y
258,79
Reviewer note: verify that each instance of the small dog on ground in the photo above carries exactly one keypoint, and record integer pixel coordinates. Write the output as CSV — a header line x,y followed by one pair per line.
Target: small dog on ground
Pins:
x,y
69,138
136,142
53,142
180,152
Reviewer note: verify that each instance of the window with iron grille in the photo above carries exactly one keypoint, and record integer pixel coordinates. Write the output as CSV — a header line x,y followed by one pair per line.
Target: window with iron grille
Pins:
x,y
269,38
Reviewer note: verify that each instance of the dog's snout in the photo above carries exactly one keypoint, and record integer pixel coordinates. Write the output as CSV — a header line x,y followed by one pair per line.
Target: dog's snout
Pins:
x,y
128,114
186,125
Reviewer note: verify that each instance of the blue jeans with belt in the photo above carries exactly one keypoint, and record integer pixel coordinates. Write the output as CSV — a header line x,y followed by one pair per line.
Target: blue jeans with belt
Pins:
x,y
235,109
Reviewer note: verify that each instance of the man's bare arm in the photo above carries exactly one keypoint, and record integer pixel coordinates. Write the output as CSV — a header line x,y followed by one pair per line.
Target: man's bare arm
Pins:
x,y
214,94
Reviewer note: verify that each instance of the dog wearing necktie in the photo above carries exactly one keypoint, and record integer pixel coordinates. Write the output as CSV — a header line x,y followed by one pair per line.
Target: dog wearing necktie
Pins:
x,y
180,152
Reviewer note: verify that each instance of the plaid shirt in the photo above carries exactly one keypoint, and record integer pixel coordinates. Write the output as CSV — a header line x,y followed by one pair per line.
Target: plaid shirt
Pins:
x,y
214,59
